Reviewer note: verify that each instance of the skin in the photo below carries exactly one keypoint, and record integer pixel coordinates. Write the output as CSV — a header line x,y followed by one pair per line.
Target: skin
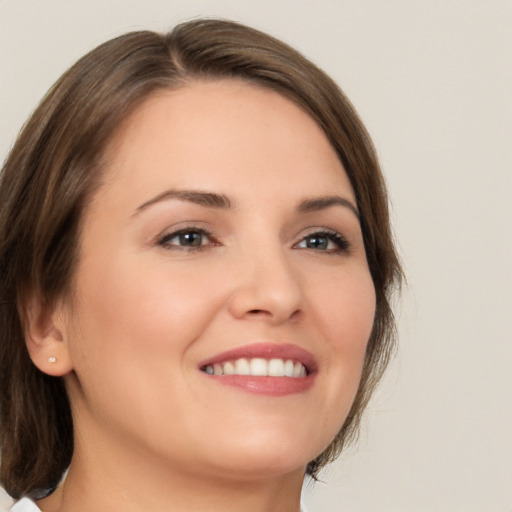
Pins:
x,y
153,432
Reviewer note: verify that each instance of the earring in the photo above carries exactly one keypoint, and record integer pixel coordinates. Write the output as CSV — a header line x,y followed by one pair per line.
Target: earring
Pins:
x,y
52,359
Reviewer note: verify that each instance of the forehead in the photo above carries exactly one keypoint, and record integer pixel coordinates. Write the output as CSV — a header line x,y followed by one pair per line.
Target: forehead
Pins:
x,y
224,134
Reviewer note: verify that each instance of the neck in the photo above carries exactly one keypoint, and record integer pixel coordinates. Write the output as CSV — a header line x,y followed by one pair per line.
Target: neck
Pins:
x,y
138,483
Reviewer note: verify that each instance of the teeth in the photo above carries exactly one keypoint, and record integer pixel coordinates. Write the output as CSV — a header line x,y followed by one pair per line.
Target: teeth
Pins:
x,y
260,367
276,368
242,367
229,369
288,368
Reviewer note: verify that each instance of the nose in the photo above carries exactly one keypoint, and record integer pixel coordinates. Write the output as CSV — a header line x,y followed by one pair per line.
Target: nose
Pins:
x,y
267,287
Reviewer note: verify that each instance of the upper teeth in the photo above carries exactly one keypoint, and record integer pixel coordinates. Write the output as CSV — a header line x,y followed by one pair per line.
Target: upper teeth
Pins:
x,y
258,366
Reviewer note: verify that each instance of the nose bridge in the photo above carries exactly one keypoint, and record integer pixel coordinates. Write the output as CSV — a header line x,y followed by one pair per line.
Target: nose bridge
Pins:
x,y
268,285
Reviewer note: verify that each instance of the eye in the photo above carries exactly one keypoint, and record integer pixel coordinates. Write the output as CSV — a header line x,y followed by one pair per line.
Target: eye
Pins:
x,y
186,239
327,241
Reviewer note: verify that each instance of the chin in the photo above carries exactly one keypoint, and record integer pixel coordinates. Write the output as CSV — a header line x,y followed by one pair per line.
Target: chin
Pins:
x,y
271,456
253,468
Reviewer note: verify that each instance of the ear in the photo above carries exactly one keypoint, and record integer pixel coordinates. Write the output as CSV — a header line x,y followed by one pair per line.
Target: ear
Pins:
x,y
46,337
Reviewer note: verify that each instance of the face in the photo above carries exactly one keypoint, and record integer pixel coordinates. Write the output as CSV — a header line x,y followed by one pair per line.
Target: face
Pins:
x,y
223,301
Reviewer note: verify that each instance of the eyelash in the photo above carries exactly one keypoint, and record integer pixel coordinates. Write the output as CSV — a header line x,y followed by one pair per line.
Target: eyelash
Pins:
x,y
342,244
164,241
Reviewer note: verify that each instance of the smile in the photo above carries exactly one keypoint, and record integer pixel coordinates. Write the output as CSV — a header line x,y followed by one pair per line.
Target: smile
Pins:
x,y
258,366
263,369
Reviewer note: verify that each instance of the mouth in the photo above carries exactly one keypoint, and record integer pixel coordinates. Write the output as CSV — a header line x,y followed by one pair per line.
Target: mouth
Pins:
x,y
263,368
258,367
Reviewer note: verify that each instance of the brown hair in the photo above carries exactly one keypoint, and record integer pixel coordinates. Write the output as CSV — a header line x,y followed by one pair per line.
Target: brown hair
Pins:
x,y
55,167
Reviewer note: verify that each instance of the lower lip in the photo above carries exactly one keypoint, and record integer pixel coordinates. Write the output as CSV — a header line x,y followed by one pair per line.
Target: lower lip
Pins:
x,y
270,386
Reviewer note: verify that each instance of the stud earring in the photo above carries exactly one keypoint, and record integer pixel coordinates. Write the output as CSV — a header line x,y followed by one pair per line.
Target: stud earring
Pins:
x,y
52,359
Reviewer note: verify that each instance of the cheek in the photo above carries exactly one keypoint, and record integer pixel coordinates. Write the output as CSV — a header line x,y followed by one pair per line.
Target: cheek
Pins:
x,y
345,313
132,335
347,310
142,309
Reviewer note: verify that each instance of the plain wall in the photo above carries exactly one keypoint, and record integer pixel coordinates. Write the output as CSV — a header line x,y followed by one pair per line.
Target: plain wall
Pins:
x,y
433,81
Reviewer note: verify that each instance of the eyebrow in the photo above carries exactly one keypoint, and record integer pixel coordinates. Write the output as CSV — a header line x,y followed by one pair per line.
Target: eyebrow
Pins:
x,y
320,203
207,199
223,202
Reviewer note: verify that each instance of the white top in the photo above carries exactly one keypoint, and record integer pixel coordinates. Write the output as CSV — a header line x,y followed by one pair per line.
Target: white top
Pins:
x,y
24,505
27,505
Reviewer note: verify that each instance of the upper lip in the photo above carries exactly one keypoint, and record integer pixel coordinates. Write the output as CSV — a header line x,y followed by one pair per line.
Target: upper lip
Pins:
x,y
265,351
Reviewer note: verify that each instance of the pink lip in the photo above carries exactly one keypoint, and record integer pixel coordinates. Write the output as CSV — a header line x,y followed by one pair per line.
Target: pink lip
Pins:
x,y
270,386
266,351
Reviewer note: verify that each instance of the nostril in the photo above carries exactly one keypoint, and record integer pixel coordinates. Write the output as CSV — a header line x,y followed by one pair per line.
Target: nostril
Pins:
x,y
258,312
263,313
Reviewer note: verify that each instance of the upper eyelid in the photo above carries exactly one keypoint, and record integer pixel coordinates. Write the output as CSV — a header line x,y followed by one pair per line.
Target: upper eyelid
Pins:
x,y
164,237
187,229
304,233
172,231
183,227
320,229
325,232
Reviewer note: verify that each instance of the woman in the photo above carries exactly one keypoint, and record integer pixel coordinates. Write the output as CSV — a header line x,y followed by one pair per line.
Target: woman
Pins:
x,y
196,266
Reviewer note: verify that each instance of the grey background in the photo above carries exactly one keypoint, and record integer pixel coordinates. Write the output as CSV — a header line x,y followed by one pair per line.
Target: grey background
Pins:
x,y
432,81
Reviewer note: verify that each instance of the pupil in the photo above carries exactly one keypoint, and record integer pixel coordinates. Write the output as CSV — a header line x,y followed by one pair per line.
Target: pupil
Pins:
x,y
316,242
192,238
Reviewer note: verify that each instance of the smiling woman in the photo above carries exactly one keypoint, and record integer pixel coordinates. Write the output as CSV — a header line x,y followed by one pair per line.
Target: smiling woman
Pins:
x,y
195,267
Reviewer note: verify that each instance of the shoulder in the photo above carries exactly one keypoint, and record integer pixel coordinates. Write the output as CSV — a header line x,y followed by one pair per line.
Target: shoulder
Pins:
x,y
24,505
